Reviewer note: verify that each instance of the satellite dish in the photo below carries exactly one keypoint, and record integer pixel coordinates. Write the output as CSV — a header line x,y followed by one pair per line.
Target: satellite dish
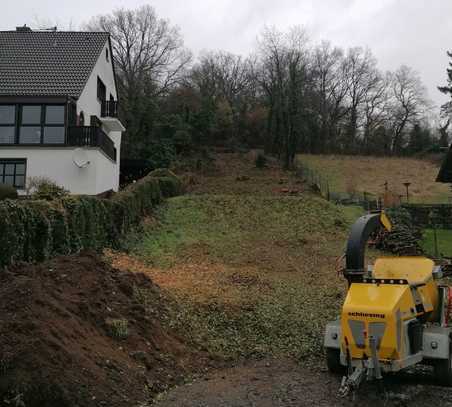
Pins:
x,y
80,158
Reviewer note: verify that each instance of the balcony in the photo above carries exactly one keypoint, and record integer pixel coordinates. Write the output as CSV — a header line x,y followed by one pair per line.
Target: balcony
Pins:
x,y
109,108
91,136
109,116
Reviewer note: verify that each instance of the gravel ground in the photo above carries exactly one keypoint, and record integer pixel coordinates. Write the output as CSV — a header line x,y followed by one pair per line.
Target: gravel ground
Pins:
x,y
274,383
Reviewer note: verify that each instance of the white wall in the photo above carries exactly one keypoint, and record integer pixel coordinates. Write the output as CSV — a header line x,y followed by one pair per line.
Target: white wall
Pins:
x,y
107,174
116,136
56,163
88,102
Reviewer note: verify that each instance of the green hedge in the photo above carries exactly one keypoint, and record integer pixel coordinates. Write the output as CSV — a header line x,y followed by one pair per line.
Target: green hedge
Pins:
x,y
37,230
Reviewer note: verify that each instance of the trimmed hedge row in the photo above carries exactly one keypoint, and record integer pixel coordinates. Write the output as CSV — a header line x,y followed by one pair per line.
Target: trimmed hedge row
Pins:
x,y
34,231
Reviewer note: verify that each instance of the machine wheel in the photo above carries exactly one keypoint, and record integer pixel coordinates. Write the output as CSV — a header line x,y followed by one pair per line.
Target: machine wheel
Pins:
x,y
333,361
443,371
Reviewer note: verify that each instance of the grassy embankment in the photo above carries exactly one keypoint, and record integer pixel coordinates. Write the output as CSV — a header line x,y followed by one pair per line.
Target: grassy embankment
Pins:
x,y
369,174
252,268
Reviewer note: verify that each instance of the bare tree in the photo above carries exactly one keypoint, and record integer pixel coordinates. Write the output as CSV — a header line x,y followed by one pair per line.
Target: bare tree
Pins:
x,y
226,76
375,108
284,59
331,89
145,47
409,102
150,59
361,76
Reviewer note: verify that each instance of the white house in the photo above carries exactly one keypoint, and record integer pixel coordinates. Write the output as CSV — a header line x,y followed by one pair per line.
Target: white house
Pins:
x,y
58,110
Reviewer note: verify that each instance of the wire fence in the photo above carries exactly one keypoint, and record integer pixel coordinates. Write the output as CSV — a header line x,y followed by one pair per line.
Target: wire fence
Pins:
x,y
322,185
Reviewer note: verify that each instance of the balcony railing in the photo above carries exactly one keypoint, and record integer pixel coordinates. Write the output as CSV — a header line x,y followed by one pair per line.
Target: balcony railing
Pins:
x,y
109,108
91,136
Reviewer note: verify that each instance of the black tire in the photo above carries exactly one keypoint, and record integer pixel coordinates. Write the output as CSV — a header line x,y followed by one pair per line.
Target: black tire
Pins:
x,y
333,361
443,372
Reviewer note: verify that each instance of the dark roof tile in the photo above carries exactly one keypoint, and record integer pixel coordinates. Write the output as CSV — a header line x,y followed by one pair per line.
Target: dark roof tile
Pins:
x,y
47,63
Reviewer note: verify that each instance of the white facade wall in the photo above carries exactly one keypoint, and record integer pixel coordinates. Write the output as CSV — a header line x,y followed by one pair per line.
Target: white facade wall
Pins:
x,y
88,102
107,171
57,164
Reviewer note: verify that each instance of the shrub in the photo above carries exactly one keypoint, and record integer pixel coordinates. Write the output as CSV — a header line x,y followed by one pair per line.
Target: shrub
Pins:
x,y
182,141
161,154
7,192
46,189
35,230
261,161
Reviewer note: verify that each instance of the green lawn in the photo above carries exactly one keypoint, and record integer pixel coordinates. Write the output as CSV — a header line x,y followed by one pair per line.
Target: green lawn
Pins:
x,y
444,239
231,227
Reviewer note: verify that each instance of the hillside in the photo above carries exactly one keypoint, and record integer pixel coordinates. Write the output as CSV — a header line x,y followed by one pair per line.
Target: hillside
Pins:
x,y
369,174
250,257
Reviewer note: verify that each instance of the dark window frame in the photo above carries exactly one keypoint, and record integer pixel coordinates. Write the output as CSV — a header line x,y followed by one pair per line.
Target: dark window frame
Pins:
x,y
101,90
42,124
20,125
15,114
13,125
59,125
15,162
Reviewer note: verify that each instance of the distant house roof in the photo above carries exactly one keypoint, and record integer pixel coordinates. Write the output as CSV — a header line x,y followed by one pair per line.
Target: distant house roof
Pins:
x,y
47,63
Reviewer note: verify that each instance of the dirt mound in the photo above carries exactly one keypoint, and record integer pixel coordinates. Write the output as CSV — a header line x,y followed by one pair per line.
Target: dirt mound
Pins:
x,y
76,332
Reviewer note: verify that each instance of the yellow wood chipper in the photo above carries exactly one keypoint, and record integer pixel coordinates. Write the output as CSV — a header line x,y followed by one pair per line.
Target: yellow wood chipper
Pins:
x,y
395,315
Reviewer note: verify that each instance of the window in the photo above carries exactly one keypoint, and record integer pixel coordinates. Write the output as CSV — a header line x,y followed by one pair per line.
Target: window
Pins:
x,y
42,124
7,124
30,135
81,119
106,55
54,125
12,172
101,90
54,114
31,114
30,124
7,114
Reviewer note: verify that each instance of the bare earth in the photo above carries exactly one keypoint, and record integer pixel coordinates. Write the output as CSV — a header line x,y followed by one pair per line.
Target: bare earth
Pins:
x,y
276,382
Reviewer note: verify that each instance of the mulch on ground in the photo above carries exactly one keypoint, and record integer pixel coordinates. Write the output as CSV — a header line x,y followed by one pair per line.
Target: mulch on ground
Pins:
x,y
77,332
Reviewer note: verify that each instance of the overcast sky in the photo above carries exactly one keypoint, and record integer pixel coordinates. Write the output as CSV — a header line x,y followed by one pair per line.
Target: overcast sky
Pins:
x,y
413,32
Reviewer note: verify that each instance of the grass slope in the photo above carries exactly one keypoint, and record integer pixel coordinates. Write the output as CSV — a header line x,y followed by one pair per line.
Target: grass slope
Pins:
x,y
254,273
370,174
444,239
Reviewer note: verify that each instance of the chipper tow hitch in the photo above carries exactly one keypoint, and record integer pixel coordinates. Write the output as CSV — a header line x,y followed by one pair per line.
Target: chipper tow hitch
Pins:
x,y
369,369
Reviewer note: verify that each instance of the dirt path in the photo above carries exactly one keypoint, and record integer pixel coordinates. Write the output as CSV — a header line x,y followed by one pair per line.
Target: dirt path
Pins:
x,y
283,383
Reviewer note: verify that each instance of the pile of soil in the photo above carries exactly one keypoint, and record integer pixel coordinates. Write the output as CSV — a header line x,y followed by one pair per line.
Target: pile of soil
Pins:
x,y
76,332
